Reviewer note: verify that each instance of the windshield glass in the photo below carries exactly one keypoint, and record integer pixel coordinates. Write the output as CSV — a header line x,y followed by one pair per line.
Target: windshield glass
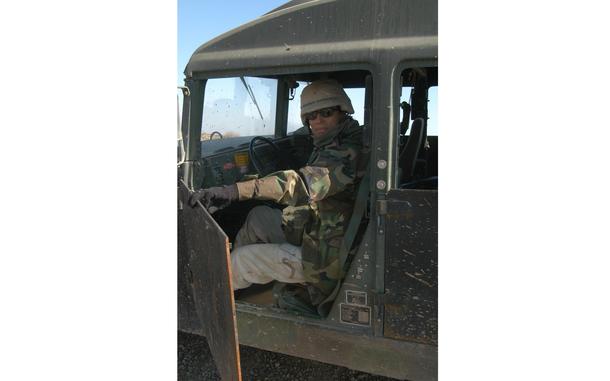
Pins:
x,y
238,107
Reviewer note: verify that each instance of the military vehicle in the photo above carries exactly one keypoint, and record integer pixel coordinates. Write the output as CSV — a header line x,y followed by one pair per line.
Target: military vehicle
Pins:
x,y
240,118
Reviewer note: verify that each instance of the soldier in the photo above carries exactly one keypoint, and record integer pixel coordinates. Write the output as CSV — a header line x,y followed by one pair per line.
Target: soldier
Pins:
x,y
300,244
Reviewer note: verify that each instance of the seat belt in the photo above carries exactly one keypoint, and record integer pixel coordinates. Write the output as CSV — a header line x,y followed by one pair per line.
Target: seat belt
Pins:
x,y
349,237
354,222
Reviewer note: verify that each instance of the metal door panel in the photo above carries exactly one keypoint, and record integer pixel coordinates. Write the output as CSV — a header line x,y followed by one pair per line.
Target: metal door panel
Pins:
x,y
210,275
411,266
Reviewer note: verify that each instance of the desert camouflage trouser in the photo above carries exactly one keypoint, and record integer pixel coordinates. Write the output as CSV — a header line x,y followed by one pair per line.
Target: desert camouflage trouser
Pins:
x,y
261,253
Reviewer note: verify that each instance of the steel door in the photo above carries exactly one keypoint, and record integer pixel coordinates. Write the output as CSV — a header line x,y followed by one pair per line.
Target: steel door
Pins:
x,y
210,280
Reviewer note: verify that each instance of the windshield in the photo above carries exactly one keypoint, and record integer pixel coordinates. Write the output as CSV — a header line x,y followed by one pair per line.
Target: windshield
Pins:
x,y
239,107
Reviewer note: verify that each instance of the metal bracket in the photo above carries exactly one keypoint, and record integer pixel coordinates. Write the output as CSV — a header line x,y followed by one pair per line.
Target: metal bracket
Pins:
x,y
185,91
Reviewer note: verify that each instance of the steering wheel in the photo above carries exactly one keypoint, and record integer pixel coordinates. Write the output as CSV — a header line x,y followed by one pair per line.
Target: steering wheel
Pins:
x,y
217,133
258,165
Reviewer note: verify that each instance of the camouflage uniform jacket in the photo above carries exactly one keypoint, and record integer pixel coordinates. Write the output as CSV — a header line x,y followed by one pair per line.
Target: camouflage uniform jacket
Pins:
x,y
325,189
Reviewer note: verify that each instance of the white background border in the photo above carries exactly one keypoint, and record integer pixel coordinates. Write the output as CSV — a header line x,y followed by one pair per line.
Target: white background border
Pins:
x,y
88,264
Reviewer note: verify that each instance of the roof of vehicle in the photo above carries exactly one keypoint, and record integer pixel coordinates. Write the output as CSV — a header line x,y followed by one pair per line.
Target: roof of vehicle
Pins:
x,y
324,32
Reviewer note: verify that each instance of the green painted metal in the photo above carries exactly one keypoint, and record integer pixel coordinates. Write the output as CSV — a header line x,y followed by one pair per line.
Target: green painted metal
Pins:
x,y
309,339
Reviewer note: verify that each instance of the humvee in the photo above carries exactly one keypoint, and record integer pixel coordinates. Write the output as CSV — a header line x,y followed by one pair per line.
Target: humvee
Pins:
x,y
240,118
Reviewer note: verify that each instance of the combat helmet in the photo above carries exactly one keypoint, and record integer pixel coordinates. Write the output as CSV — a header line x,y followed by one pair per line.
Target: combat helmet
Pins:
x,y
322,94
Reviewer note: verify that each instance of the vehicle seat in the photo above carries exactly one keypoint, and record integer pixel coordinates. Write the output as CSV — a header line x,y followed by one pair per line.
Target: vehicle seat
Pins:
x,y
408,155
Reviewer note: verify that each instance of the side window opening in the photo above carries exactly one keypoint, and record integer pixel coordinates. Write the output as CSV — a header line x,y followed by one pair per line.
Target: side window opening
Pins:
x,y
294,109
356,95
432,108
418,145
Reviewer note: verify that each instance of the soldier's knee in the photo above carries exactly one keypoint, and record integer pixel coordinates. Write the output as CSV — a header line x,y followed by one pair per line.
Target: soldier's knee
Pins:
x,y
244,258
262,215
256,212
238,255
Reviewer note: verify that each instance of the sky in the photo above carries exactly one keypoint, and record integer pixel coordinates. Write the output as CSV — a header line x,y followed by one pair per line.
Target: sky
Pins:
x,y
202,20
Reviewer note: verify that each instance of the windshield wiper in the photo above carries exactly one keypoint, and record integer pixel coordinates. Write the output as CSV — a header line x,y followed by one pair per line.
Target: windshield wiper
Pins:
x,y
251,93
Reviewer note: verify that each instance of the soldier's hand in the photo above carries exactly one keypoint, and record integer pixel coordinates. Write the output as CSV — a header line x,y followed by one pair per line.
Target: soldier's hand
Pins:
x,y
216,198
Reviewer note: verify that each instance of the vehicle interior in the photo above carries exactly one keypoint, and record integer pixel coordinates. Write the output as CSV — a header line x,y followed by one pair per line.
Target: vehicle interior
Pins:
x,y
251,127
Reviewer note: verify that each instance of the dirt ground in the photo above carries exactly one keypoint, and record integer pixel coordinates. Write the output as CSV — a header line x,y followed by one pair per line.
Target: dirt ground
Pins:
x,y
195,363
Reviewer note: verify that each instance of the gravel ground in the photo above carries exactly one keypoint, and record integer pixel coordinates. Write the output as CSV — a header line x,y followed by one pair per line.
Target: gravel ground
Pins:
x,y
195,363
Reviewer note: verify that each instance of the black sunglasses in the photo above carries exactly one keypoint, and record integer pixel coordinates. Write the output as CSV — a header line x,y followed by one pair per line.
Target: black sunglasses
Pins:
x,y
324,113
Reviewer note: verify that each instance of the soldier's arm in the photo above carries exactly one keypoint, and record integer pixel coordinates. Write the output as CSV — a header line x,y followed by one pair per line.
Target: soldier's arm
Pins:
x,y
283,187
333,172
